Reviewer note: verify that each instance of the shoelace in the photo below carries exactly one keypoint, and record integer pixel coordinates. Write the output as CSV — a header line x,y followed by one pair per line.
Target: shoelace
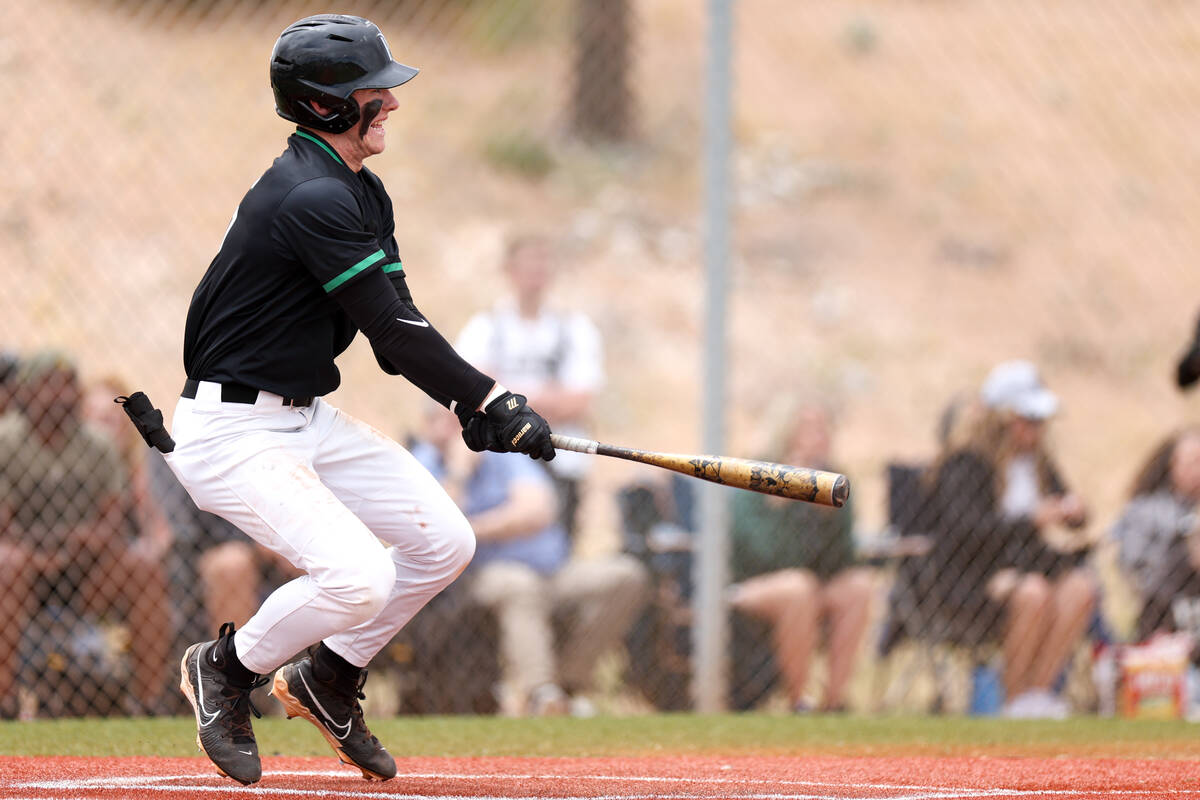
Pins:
x,y
356,710
240,721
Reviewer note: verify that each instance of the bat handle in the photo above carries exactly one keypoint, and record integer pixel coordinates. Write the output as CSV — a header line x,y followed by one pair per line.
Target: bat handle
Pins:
x,y
573,443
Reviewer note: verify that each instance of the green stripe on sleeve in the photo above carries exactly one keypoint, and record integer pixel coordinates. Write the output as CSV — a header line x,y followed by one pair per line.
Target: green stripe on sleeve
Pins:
x,y
393,267
357,268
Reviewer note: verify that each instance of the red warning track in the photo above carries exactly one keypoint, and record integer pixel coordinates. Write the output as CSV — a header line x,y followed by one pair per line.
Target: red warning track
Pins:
x,y
680,778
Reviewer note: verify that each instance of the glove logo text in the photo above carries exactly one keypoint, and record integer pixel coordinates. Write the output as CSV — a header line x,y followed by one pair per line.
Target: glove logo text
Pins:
x,y
521,433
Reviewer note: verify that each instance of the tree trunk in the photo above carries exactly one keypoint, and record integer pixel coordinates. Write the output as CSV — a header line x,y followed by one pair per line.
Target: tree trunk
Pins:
x,y
602,102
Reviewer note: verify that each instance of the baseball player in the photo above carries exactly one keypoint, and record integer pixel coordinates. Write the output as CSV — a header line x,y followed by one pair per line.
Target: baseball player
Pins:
x,y
309,260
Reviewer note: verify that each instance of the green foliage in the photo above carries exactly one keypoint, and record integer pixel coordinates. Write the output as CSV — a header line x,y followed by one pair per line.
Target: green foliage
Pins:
x,y
860,37
519,152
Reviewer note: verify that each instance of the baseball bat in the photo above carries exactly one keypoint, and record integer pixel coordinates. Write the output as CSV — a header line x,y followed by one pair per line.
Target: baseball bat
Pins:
x,y
798,483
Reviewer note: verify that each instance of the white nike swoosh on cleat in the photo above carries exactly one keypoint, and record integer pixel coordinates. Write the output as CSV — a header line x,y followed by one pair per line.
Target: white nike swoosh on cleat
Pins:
x,y
246,752
420,323
206,719
345,728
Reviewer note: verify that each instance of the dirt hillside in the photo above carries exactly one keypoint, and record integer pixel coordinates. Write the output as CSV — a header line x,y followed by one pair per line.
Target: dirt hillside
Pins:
x,y
923,189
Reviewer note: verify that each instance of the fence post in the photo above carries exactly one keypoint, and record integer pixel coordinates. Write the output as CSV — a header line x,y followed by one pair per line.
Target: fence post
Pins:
x,y
710,629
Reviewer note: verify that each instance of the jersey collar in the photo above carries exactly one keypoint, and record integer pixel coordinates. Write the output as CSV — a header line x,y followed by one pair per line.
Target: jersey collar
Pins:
x,y
321,143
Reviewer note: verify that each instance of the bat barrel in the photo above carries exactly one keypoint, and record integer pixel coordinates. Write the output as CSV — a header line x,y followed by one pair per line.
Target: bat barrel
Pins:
x,y
798,483
840,491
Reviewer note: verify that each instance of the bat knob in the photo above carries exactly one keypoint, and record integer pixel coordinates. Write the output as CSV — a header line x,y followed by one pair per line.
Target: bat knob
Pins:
x,y
840,491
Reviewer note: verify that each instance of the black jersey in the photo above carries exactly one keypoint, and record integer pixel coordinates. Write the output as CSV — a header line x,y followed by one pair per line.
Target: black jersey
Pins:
x,y
262,315
272,311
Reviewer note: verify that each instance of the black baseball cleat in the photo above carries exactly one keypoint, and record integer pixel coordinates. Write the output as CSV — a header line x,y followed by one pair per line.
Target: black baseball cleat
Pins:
x,y
223,710
336,712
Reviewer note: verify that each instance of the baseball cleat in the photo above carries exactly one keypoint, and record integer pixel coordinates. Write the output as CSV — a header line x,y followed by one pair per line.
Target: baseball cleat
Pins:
x,y
337,715
223,711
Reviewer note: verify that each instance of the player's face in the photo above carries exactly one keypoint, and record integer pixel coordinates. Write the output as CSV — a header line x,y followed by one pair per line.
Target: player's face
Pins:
x,y
372,141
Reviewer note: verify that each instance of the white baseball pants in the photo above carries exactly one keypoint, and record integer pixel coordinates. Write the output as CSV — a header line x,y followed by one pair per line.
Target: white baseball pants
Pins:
x,y
321,489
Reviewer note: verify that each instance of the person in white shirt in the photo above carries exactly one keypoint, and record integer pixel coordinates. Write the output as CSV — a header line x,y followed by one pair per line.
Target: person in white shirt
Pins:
x,y
553,357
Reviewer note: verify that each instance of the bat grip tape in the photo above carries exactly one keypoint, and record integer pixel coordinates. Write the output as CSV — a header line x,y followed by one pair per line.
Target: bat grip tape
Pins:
x,y
573,443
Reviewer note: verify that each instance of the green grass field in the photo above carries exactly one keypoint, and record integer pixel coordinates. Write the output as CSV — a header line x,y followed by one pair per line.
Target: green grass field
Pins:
x,y
730,734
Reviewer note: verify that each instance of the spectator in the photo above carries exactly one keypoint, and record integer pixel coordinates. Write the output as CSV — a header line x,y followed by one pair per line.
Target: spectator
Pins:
x,y
793,565
1156,532
64,542
1008,533
522,571
553,357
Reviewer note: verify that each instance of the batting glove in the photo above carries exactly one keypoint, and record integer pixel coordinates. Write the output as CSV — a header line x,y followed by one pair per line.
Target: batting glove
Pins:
x,y
508,425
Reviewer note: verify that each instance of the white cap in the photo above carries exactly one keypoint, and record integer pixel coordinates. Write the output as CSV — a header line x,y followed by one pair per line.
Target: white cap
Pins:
x,y
1016,386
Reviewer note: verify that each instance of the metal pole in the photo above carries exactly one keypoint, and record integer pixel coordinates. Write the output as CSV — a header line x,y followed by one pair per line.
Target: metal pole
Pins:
x,y
710,628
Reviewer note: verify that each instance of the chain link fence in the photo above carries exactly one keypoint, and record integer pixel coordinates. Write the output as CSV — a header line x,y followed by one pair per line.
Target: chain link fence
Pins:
x,y
924,191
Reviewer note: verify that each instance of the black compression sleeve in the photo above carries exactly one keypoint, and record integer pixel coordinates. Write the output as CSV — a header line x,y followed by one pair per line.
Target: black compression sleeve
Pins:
x,y
407,342
397,279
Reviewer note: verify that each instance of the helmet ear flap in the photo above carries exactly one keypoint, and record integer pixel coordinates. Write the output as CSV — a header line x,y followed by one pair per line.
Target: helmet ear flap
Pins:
x,y
340,115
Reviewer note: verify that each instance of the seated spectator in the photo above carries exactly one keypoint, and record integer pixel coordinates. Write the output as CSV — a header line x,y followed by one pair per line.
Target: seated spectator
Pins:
x,y
793,565
1007,533
523,572
62,530
1157,537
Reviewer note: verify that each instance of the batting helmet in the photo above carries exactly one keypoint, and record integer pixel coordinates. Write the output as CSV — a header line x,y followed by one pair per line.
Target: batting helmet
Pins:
x,y
327,58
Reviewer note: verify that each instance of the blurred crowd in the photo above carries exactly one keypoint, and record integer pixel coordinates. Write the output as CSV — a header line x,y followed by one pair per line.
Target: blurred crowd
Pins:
x,y
987,550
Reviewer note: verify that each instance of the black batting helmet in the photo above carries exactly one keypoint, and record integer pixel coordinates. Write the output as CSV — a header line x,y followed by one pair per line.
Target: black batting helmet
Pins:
x,y
327,58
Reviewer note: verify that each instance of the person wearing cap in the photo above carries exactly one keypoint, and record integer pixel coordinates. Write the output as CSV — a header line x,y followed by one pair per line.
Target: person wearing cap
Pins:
x,y
1010,561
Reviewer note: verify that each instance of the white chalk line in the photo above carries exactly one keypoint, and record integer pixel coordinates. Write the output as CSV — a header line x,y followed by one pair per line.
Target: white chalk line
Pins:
x,y
210,783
